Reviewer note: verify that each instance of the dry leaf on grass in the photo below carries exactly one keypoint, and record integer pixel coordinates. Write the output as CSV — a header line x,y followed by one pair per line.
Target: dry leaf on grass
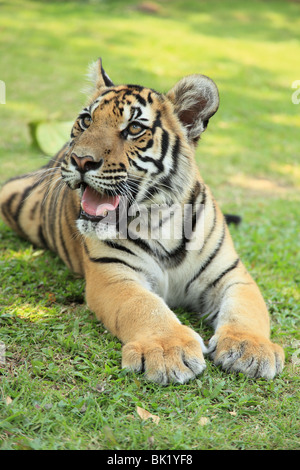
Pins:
x,y
144,414
8,400
203,421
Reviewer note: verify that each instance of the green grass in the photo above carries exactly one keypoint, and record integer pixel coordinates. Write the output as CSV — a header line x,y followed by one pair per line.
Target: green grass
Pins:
x,y
62,386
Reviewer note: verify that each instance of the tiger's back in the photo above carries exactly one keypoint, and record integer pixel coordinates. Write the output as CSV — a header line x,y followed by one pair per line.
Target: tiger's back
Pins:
x,y
43,210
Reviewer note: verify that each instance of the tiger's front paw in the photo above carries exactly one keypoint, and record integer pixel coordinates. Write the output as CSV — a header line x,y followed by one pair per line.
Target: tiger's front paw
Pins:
x,y
251,354
173,358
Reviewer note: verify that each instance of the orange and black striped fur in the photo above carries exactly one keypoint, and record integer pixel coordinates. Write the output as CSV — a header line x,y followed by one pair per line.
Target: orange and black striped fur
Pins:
x,y
132,147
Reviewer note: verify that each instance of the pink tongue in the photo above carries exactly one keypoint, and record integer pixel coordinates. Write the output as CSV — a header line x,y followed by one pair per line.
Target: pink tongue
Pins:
x,y
96,204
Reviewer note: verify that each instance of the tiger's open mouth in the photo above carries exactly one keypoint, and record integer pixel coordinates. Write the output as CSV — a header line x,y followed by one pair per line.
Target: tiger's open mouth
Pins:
x,y
96,206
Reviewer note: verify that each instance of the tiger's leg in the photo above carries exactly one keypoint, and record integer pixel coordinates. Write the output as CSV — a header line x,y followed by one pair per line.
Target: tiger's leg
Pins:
x,y
154,339
241,342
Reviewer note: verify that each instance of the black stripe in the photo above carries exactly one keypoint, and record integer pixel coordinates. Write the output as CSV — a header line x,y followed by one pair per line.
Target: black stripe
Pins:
x,y
148,145
52,215
9,201
42,238
164,149
192,211
110,91
33,210
115,170
26,175
230,268
157,163
209,260
212,228
133,90
151,192
118,247
76,209
141,100
45,208
104,260
141,244
236,283
211,318
205,292
6,207
25,194
174,258
157,122
164,144
175,151
68,224
193,201
111,177
60,226
60,156
135,113
15,216
135,87
203,187
117,326
133,162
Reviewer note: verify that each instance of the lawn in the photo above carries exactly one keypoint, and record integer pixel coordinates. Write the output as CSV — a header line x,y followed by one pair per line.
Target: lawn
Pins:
x,y
61,382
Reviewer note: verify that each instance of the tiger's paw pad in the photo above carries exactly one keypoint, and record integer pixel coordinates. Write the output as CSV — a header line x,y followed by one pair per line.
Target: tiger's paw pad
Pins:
x,y
175,358
253,355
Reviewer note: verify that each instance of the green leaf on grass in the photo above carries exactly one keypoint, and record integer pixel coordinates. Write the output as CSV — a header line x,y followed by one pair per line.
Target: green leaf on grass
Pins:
x,y
50,136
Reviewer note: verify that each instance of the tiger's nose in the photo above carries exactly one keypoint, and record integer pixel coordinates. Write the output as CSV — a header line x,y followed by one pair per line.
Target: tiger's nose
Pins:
x,y
85,163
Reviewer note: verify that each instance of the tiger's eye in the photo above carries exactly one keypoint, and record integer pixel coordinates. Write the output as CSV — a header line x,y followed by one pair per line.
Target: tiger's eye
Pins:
x,y
87,120
134,128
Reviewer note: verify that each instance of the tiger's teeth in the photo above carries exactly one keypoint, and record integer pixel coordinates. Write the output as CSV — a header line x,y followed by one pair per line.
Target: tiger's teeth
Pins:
x,y
105,213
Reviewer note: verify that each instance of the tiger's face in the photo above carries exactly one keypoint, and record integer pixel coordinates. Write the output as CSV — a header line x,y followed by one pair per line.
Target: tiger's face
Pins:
x,y
130,145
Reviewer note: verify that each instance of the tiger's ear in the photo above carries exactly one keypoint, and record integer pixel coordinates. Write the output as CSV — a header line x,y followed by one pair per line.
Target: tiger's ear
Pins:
x,y
98,75
196,99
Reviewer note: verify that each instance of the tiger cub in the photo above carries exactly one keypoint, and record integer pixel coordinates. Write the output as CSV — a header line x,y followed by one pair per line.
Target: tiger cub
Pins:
x,y
123,204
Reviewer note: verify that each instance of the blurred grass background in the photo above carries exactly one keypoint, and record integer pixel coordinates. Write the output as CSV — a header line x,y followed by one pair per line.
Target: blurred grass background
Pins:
x,y
250,49
249,155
